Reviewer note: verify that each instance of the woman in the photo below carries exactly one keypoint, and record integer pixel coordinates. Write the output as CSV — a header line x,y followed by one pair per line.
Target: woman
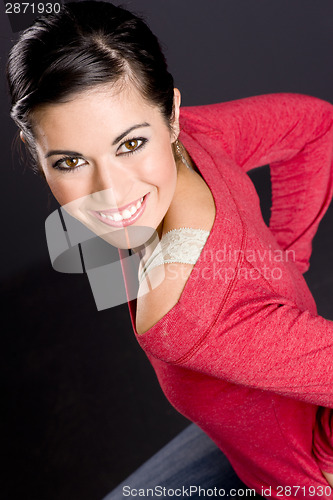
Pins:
x,y
222,311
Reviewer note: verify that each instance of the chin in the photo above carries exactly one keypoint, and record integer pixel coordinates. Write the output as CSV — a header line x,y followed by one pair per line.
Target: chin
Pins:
x,y
134,237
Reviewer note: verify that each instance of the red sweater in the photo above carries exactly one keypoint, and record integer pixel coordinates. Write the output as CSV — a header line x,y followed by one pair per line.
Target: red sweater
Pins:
x,y
243,353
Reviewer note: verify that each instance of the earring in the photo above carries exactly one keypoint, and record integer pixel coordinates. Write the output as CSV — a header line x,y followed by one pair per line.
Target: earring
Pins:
x,y
182,157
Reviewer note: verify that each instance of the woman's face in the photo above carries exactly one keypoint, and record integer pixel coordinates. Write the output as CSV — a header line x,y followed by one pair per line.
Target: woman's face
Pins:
x,y
108,159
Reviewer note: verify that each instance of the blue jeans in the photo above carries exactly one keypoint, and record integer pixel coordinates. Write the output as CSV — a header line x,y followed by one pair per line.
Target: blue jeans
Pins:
x,y
191,459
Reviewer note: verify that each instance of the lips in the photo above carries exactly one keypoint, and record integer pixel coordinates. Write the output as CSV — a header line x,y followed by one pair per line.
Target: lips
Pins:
x,y
123,216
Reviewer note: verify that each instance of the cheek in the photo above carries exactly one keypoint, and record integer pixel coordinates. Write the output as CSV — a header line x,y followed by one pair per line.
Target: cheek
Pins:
x,y
55,183
62,191
66,187
168,173
54,187
160,169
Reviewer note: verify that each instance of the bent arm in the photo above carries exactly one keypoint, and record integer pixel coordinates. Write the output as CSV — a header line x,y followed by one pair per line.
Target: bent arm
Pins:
x,y
294,134
273,346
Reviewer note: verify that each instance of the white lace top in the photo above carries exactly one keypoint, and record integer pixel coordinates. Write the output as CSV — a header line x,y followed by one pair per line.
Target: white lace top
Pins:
x,y
182,245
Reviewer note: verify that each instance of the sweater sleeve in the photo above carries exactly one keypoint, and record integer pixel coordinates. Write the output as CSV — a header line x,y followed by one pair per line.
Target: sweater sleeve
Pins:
x,y
267,343
294,134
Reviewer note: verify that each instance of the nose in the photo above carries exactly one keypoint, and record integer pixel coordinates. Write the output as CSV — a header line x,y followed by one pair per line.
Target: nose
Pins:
x,y
111,185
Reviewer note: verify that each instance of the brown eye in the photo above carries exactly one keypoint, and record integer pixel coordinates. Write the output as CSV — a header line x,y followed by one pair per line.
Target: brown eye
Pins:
x,y
71,162
131,145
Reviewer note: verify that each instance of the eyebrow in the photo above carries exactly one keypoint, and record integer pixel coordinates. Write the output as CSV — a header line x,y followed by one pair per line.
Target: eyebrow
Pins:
x,y
117,139
62,152
121,136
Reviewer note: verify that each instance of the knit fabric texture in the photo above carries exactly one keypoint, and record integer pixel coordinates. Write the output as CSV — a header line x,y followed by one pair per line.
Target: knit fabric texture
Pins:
x,y
243,353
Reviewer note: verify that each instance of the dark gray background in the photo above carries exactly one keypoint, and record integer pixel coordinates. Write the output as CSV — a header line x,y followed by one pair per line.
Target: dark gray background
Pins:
x,y
82,406
217,50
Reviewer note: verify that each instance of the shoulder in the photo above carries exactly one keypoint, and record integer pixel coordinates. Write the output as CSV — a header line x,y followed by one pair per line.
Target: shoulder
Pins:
x,y
255,106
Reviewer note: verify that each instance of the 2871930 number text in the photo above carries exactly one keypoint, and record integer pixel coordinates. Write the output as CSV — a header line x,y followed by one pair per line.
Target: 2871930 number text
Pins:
x,y
34,8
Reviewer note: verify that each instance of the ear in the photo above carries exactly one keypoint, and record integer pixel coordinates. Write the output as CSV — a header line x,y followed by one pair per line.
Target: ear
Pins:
x,y
176,109
22,136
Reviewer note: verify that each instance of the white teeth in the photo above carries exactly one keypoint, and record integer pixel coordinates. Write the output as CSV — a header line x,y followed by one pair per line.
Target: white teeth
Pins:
x,y
125,214
117,217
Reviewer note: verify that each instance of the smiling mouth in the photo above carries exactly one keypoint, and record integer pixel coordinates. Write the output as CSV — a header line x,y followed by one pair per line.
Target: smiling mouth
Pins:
x,y
122,217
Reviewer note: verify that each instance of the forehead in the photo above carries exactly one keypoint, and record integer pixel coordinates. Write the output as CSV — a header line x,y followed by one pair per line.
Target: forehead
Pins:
x,y
94,110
